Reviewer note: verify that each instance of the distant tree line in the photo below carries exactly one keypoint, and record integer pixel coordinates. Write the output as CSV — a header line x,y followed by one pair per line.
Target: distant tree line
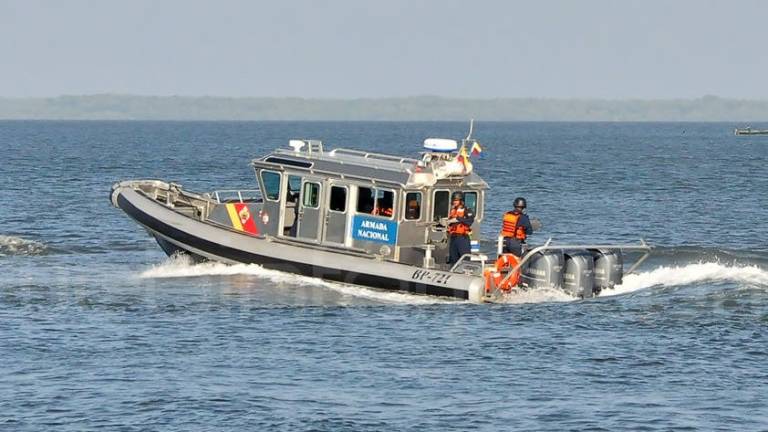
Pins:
x,y
129,107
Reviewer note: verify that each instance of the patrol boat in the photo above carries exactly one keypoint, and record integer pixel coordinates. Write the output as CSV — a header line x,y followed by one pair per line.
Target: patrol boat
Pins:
x,y
361,218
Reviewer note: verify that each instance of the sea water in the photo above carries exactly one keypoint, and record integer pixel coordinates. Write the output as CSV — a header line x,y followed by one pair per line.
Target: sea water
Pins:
x,y
99,330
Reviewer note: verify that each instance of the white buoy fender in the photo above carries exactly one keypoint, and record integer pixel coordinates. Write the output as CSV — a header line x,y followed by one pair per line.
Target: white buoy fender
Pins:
x,y
476,291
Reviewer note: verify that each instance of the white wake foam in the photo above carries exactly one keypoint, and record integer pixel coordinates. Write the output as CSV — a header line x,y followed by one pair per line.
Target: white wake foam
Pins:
x,y
691,274
10,245
658,277
536,296
181,267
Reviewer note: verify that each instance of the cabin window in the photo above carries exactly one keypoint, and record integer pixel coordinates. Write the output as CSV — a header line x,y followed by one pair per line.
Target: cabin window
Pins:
x,y
283,161
365,200
470,201
294,185
311,195
338,201
413,206
385,203
442,204
271,181
379,202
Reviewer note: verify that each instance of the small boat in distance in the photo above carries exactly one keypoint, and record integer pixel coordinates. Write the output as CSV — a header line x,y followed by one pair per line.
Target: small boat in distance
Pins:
x,y
749,131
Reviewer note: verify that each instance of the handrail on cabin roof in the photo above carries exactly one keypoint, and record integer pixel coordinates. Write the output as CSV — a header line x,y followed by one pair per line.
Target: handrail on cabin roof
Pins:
x,y
370,155
355,157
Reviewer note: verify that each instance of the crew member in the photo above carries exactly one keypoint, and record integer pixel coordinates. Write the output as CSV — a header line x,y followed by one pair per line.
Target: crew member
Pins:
x,y
413,210
383,207
383,211
460,221
516,227
295,198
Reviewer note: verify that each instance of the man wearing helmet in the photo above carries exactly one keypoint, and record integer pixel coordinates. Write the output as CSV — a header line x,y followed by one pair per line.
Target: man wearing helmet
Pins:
x,y
516,227
459,227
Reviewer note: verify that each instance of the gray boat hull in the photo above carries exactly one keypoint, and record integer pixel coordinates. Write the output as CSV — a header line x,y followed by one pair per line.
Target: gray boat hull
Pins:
x,y
176,231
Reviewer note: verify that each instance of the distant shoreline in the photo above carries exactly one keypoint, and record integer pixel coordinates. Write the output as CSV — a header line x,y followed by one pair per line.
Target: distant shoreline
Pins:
x,y
417,108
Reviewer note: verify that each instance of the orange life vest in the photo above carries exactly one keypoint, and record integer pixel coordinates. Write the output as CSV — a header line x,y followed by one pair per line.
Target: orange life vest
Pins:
x,y
510,228
458,228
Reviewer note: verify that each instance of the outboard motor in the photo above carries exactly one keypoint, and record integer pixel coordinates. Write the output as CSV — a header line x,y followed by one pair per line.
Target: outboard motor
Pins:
x,y
609,268
544,270
579,273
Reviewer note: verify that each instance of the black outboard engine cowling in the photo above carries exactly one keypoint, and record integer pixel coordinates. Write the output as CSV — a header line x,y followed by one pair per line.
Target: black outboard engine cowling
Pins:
x,y
579,273
609,268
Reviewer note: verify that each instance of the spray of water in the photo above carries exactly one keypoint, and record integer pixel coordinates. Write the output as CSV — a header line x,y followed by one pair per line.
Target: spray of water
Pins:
x,y
692,274
659,277
181,266
536,296
10,245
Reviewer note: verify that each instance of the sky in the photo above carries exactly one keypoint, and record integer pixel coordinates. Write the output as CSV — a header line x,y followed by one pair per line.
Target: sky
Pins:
x,y
394,48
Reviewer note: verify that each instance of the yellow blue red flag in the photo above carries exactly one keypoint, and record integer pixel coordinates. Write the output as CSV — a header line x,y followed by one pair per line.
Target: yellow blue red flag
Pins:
x,y
476,149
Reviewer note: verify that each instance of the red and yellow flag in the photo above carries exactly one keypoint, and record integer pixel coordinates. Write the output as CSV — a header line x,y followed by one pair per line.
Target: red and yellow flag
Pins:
x,y
241,218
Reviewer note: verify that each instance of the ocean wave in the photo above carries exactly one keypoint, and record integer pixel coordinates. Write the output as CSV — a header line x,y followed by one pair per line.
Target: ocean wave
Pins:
x,y
691,274
678,255
12,246
182,267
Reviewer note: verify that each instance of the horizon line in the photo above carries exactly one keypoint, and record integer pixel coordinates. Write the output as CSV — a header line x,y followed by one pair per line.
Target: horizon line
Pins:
x,y
423,96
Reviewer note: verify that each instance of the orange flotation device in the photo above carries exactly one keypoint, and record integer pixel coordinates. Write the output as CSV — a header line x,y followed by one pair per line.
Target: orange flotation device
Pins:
x,y
495,277
510,228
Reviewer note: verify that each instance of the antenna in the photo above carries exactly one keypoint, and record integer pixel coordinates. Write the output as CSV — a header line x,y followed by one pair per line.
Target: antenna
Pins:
x,y
471,127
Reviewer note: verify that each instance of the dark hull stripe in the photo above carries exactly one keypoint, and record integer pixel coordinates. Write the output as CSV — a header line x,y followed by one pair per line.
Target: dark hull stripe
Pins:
x,y
338,275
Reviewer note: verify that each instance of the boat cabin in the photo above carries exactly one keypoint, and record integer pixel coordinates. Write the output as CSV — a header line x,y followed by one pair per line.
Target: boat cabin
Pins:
x,y
388,206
